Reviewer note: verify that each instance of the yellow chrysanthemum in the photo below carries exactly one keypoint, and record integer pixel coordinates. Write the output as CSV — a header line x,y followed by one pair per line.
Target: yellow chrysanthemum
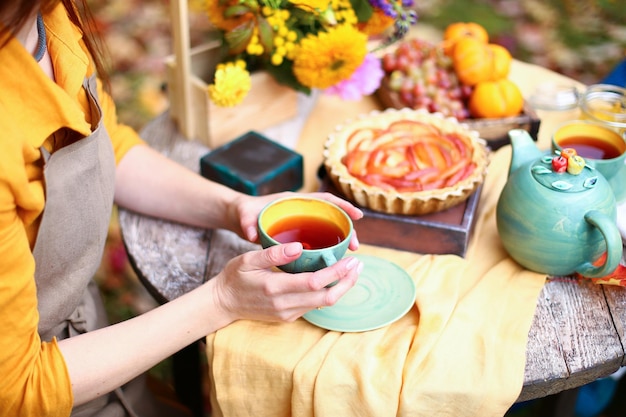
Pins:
x,y
215,11
323,60
231,85
319,5
377,24
343,11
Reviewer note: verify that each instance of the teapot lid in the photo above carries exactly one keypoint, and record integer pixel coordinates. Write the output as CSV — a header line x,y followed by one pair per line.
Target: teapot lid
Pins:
x,y
564,171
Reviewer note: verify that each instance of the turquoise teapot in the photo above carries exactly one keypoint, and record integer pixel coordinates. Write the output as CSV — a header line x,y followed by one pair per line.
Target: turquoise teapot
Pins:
x,y
557,220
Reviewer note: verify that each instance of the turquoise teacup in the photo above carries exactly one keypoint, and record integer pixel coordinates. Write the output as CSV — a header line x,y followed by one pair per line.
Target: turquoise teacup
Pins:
x,y
322,227
603,148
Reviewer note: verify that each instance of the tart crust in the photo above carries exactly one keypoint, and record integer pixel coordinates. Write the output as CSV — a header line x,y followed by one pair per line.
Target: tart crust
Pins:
x,y
390,200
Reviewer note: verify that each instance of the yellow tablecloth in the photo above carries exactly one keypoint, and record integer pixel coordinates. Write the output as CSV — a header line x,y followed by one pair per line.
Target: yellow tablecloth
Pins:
x,y
459,352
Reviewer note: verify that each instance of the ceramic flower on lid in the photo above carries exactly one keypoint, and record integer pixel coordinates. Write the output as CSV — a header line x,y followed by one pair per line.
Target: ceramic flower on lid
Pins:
x,y
304,44
578,175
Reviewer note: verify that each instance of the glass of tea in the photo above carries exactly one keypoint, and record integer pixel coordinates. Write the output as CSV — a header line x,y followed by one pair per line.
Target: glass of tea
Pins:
x,y
322,227
602,147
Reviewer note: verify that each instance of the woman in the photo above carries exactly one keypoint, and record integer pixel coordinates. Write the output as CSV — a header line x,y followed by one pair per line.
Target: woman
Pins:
x,y
63,157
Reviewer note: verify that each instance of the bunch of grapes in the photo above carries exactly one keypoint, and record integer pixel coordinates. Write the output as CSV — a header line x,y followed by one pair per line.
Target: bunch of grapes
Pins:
x,y
423,77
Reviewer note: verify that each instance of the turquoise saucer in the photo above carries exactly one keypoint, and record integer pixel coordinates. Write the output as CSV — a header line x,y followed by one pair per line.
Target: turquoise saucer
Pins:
x,y
383,294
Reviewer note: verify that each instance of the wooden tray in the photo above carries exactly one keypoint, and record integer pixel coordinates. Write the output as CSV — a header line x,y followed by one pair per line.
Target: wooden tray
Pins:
x,y
444,232
494,131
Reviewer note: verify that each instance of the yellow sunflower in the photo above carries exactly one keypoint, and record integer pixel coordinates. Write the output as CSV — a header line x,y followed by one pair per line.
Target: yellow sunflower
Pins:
x,y
323,60
215,11
231,85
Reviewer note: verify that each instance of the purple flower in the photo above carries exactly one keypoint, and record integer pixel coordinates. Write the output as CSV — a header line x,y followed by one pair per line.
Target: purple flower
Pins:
x,y
392,7
364,81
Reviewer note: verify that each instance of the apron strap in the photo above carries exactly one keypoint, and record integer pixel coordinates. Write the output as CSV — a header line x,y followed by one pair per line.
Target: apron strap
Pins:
x,y
122,399
45,154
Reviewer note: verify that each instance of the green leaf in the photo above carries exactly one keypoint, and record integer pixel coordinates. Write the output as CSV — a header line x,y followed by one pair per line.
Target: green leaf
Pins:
x,y
562,185
274,4
306,22
283,74
363,9
239,37
540,170
590,182
236,11
266,34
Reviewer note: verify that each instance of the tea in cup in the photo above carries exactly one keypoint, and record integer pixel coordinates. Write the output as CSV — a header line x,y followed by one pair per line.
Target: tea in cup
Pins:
x,y
601,147
322,227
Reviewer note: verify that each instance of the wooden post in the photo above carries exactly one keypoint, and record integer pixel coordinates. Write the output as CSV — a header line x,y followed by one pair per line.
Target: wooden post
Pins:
x,y
189,75
180,35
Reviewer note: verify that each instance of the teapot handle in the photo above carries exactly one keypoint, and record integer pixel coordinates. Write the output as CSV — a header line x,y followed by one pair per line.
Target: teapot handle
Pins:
x,y
613,240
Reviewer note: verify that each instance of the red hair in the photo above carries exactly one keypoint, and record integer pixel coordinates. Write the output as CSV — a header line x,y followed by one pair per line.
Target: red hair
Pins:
x,y
14,14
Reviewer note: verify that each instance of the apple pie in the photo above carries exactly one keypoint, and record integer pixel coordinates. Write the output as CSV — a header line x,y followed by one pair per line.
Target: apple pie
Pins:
x,y
405,161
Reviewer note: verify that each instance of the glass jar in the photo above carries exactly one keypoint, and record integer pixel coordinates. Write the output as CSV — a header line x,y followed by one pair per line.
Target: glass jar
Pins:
x,y
554,97
606,104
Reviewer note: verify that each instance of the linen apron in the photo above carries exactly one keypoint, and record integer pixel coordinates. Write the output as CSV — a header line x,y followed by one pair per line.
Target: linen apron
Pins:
x,y
79,182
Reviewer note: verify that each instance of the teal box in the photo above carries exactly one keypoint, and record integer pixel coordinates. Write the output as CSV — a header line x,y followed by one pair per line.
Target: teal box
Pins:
x,y
254,165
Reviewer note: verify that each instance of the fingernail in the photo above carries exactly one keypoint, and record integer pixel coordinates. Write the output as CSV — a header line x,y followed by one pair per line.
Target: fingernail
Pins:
x,y
293,249
355,263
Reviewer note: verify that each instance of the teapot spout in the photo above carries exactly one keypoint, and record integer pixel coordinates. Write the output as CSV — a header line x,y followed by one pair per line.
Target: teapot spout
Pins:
x,y
523,147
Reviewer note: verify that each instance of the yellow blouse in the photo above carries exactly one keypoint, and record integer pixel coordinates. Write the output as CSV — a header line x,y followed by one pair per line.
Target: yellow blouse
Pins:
x,y
34,379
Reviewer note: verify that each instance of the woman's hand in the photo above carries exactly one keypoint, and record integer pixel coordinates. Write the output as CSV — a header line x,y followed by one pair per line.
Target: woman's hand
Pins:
x,y
250,287
248,209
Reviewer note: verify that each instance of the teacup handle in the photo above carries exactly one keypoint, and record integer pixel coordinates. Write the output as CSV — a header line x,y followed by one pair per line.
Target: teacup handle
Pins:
x,y
613,241
329,258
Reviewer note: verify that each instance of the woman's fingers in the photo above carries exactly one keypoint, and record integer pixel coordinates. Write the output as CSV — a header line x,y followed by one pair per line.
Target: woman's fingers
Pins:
x,y
313,289
354,212
250,207
253,288
291,305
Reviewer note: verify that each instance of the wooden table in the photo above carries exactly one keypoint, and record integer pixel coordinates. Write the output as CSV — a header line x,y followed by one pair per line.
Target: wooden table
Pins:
x,y
578,333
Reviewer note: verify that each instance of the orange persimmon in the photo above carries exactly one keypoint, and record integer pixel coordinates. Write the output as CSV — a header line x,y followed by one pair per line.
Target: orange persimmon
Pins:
x,y
500,98
475,61
459,30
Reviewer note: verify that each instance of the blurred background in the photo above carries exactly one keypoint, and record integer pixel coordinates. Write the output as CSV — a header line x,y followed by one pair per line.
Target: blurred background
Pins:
x,y
582,39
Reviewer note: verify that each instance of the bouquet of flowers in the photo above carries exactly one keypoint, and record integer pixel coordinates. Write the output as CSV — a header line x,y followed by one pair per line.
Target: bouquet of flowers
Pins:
x,y
304,44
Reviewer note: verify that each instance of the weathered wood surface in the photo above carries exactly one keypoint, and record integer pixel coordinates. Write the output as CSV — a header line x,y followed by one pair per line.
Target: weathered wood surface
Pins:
x,y
170,258
578,333
576,337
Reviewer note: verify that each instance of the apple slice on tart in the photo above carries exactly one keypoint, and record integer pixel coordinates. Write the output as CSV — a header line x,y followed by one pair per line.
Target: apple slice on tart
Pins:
x,y
405,161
